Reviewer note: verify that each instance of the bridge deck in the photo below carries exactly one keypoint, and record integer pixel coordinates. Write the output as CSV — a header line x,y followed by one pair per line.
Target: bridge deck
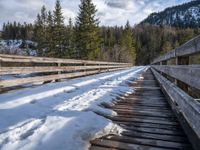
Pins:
x,y
148,121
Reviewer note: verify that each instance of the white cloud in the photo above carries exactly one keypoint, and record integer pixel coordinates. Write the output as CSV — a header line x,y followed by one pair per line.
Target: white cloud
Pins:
x,y
110,12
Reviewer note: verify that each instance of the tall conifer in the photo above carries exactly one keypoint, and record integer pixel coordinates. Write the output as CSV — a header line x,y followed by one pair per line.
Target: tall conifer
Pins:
x,y
87,31
59,42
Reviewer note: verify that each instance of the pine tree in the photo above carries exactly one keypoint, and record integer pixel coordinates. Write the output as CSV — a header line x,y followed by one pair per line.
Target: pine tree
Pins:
x,y
87,31
40,32
70,39
50,29
128,44
59,42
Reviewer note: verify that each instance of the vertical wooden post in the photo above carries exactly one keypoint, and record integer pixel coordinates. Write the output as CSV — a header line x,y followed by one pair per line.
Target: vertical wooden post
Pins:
x,y
59,72
85,64
99,68
163,63
182,61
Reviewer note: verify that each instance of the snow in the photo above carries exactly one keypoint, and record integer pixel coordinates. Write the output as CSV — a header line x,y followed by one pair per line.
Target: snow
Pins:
x,y
62,115
18,47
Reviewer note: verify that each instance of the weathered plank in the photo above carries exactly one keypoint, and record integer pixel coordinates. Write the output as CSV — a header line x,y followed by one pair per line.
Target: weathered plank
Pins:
x,y
188,74
31,59
124,146
189,48
26,70
170,138
150,142
21,81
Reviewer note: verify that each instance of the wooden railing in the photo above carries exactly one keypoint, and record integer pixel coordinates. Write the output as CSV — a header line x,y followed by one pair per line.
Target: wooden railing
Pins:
x,y
179,82
42,69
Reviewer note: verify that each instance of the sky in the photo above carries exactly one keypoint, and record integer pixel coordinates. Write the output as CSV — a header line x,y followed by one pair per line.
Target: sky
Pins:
x,y
110,12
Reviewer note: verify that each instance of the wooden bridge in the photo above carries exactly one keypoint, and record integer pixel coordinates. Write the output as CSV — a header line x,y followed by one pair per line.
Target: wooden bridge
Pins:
x,y
162,114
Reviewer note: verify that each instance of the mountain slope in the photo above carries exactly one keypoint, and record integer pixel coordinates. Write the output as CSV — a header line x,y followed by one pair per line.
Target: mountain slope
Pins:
x,y
186,15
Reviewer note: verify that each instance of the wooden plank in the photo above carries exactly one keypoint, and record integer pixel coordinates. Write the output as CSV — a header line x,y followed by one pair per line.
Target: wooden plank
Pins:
x,y
21,81
154,130
123,146
150,142
170,138
138,103
147,117
188,74
26,70
24,59
142,108
144,105
128,112
144,112
160,122
189,48
149,125
101,148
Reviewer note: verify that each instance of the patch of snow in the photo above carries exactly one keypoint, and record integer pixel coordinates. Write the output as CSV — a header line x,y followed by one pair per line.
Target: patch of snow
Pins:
x,y
62,115
19,47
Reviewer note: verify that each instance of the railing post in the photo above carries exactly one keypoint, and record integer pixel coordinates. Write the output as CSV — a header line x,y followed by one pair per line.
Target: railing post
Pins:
x,y
99,68
182,61
59,65
85,64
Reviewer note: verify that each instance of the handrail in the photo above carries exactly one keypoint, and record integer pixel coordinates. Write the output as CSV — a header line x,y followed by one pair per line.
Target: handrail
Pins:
x,y
32,59
180,82
42,69
189,48
184,106
189,74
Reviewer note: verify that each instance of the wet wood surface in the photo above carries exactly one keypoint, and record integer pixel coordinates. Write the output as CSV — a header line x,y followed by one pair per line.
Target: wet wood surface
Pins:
x,y
148,121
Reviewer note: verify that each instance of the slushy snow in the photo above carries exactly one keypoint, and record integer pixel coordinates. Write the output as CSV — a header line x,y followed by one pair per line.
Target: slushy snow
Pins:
x,y
64,115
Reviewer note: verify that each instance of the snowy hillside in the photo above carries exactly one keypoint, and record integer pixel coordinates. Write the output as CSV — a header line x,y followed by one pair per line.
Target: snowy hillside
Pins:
x,y
19,47
60,116
186,15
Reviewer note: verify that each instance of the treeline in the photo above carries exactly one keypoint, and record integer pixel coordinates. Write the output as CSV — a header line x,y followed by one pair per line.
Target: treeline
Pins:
x,y
17,31
82,40
85,39
152,41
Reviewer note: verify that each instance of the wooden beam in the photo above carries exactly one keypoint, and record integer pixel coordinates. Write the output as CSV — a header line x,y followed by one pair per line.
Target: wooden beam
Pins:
x,y
190,48
188,74
26,70
21,81
26,59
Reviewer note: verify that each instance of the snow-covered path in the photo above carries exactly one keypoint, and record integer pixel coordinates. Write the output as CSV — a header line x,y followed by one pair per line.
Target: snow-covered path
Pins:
x,y
61,115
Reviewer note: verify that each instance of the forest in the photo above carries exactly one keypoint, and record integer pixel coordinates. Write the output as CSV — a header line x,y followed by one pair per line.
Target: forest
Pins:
x,y
86,39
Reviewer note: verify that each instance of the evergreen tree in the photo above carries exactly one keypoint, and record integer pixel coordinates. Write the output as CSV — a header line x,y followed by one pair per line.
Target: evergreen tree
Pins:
x,y
127,44
70,39
50,29
59,42
87,32
40,32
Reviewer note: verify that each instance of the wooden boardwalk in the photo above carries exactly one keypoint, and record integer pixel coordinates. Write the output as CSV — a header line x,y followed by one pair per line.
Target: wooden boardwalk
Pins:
x,y
148,121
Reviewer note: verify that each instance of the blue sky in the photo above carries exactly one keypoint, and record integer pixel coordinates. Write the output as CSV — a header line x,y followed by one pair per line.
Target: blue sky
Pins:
x,y
110,12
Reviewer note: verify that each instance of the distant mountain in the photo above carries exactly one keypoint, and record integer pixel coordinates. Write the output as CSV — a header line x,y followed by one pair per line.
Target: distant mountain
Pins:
x,y
185,15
